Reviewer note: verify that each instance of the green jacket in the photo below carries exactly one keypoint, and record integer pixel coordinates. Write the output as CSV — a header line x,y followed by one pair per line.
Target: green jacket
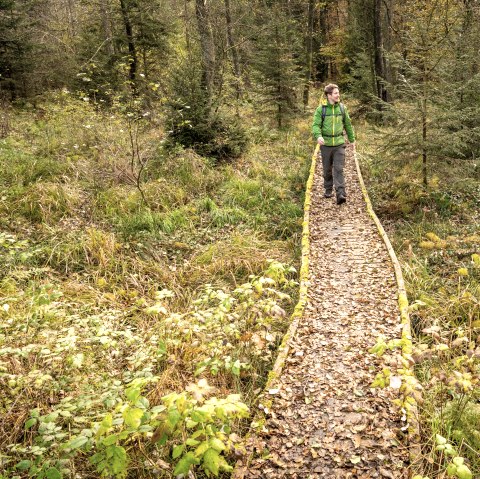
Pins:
x,y
333,125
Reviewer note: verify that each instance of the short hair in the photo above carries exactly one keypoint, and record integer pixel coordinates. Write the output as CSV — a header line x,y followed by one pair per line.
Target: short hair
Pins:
x,y
329,88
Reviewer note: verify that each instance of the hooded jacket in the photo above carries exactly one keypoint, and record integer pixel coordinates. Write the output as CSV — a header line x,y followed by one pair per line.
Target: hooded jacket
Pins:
x,y
333,125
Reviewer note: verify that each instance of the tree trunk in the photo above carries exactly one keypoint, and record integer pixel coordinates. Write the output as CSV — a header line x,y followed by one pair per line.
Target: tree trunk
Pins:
x,y
106,28
388,45
463,45
309,53
207,46
233,49
132,75
279,78
71,19
186,23
321,64
379,60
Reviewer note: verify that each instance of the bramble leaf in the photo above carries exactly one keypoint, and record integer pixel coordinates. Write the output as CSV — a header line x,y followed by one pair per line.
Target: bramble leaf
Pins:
x,y
178,451
211,461
77,442
119,460
53,473
216,444
133,417
183,466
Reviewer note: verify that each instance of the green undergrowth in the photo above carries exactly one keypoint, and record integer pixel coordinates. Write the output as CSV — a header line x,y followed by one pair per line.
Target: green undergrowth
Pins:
x,y
436,234
142,297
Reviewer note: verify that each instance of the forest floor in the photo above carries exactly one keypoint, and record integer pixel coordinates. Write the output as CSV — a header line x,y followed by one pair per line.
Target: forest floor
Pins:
x,y
325,419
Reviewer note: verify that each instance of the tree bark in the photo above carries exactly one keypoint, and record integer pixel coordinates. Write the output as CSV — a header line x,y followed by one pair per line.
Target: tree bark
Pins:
x,y
322,66
186,23
379,60
132,75
465,38
279,81
106,28
71,19
387,44
233,49
424,124
308,52
207,46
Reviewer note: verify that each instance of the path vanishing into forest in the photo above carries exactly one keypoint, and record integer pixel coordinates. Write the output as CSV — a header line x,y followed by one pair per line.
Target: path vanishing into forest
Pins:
x,y
325,421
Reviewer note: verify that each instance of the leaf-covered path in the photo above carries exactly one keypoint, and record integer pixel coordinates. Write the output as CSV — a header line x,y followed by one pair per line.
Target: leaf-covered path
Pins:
x,y
325,421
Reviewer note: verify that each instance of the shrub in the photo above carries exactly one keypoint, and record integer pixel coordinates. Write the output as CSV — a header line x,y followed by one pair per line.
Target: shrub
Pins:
x,y
193,122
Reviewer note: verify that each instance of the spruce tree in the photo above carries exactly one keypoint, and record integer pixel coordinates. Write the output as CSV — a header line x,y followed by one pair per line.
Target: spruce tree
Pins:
x,y
16,48
276,64
458,101
437,105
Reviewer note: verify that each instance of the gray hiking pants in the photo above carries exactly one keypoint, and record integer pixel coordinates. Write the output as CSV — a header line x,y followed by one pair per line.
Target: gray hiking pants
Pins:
x,y
333,161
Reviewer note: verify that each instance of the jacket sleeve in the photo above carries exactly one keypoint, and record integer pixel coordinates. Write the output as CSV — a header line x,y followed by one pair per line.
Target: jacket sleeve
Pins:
x,y
317,121
348,127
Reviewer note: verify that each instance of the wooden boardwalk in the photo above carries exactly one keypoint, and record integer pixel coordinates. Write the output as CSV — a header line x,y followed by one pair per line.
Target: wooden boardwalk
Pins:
x,y
325,421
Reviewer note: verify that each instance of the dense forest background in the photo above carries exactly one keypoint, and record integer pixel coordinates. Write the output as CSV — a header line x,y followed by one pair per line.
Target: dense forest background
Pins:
x,y
210,54
153,159
206,55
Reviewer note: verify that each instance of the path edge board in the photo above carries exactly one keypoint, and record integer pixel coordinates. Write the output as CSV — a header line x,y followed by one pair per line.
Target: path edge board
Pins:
x,y
284,348
409,382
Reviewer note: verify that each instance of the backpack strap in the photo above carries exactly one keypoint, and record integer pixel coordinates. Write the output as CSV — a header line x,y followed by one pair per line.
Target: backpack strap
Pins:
x,y
324,114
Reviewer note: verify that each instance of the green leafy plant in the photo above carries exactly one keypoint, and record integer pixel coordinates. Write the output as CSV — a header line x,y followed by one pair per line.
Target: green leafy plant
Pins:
x,y
200,428
197,429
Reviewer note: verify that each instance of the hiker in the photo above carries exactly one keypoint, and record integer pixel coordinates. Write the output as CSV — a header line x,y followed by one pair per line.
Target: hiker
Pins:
x,y
329,121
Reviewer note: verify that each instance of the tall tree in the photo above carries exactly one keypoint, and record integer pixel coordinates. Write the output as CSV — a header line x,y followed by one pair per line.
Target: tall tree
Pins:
x,y
125,43
458,98
233,49
423,63
132,49
308,51
320,61
207,45
16,47
277,74
379,54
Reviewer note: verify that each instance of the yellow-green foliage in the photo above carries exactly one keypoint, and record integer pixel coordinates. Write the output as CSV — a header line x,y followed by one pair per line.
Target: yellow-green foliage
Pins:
x,y
427,244
466,426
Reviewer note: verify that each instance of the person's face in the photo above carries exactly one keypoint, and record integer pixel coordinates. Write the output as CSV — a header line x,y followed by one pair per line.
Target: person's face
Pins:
x,y
334,97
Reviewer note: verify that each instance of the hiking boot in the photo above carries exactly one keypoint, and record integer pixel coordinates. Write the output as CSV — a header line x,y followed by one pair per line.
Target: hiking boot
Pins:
x,y
341,199
328,194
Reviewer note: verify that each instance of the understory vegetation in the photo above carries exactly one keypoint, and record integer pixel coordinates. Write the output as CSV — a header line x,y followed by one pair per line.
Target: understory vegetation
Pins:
x,y
436,234
144,290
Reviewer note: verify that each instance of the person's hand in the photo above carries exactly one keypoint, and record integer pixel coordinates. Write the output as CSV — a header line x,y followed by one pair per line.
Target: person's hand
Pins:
x,y
320,141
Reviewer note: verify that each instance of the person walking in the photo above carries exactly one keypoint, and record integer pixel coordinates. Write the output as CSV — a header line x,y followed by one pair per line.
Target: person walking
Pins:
x,y
329,122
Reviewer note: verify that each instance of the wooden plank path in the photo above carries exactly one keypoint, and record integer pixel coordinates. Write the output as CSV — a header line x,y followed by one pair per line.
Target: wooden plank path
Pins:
x,y
325,421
